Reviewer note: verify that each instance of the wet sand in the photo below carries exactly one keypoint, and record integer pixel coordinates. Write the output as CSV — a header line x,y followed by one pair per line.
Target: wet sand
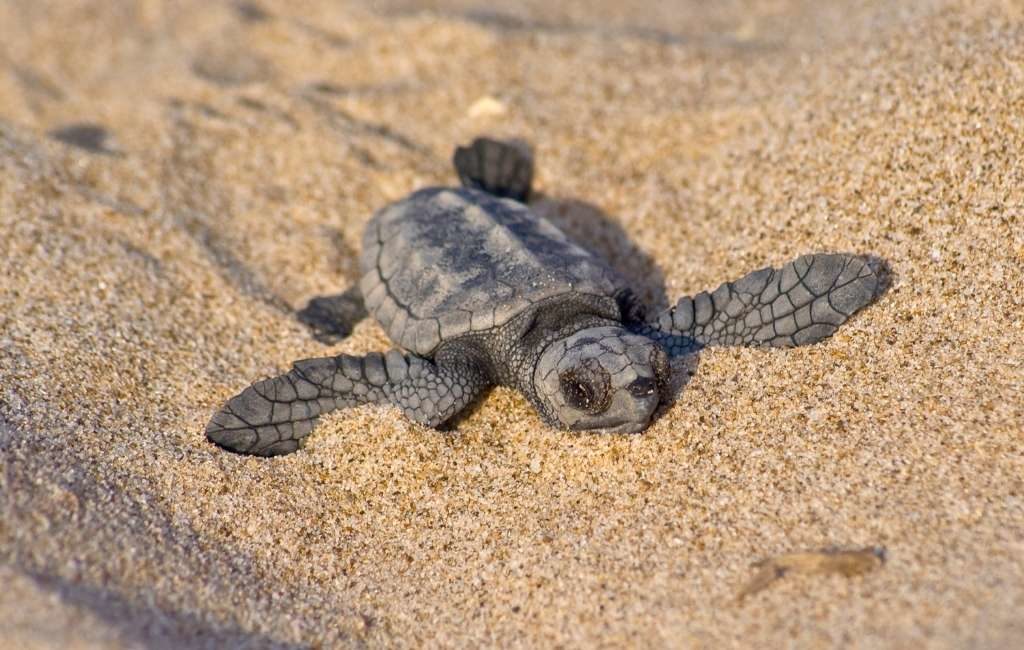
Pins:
x,y
176,179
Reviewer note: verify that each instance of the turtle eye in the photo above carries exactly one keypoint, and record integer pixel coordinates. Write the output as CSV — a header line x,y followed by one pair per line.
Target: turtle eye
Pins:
x,y
586,387
643,387
577,393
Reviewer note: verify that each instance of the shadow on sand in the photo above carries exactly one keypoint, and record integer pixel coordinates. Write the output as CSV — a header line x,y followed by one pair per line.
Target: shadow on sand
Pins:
x,y
154,627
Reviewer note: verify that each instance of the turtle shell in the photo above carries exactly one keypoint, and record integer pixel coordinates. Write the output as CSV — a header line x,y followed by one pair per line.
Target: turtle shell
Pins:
x,y
443,262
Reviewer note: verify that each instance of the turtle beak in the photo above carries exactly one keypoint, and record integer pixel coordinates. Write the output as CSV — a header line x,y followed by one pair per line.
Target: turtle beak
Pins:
x,y
629,412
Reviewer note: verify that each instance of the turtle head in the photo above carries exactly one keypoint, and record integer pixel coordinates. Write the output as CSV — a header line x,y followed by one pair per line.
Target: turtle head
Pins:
x,y
601,378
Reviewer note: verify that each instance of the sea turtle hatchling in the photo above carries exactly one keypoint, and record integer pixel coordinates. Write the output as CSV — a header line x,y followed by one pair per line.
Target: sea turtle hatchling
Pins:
x,y
478,290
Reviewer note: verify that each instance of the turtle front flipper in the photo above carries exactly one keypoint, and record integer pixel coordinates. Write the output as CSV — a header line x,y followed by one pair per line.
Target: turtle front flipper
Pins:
x,y
802,303
432,394
272,416
501,168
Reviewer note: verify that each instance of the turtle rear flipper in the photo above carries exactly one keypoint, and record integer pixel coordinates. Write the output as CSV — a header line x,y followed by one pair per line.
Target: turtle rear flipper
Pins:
x,y
332,318
504,169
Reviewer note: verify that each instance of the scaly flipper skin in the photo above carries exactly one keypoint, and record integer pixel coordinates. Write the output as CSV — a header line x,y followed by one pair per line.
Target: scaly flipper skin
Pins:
x,y
503,169
802,303
272,416
431,394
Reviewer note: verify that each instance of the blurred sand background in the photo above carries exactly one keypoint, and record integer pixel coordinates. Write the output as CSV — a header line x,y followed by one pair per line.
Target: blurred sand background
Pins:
x,y
177,177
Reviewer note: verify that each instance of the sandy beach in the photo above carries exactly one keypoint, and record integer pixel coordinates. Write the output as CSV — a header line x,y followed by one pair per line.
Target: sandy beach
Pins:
x,y
176,178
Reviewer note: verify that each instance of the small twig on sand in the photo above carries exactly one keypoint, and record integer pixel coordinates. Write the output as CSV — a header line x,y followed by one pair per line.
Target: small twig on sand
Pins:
x,y
846,563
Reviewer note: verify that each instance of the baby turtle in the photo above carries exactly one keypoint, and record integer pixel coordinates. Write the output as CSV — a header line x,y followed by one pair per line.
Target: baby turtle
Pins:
x,y
477,291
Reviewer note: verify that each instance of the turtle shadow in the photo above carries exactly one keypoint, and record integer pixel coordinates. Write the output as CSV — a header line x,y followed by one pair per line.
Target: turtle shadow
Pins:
x,y
593,229
883,270
683,369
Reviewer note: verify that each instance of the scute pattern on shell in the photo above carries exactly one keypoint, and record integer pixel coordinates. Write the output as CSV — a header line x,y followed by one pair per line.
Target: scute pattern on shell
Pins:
x,y
444,262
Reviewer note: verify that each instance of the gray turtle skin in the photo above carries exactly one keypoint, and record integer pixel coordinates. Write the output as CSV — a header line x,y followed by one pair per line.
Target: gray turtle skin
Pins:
x,y
477,291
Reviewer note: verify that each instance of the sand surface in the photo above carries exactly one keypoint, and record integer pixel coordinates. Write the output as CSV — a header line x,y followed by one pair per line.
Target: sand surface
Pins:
x,y
177,177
